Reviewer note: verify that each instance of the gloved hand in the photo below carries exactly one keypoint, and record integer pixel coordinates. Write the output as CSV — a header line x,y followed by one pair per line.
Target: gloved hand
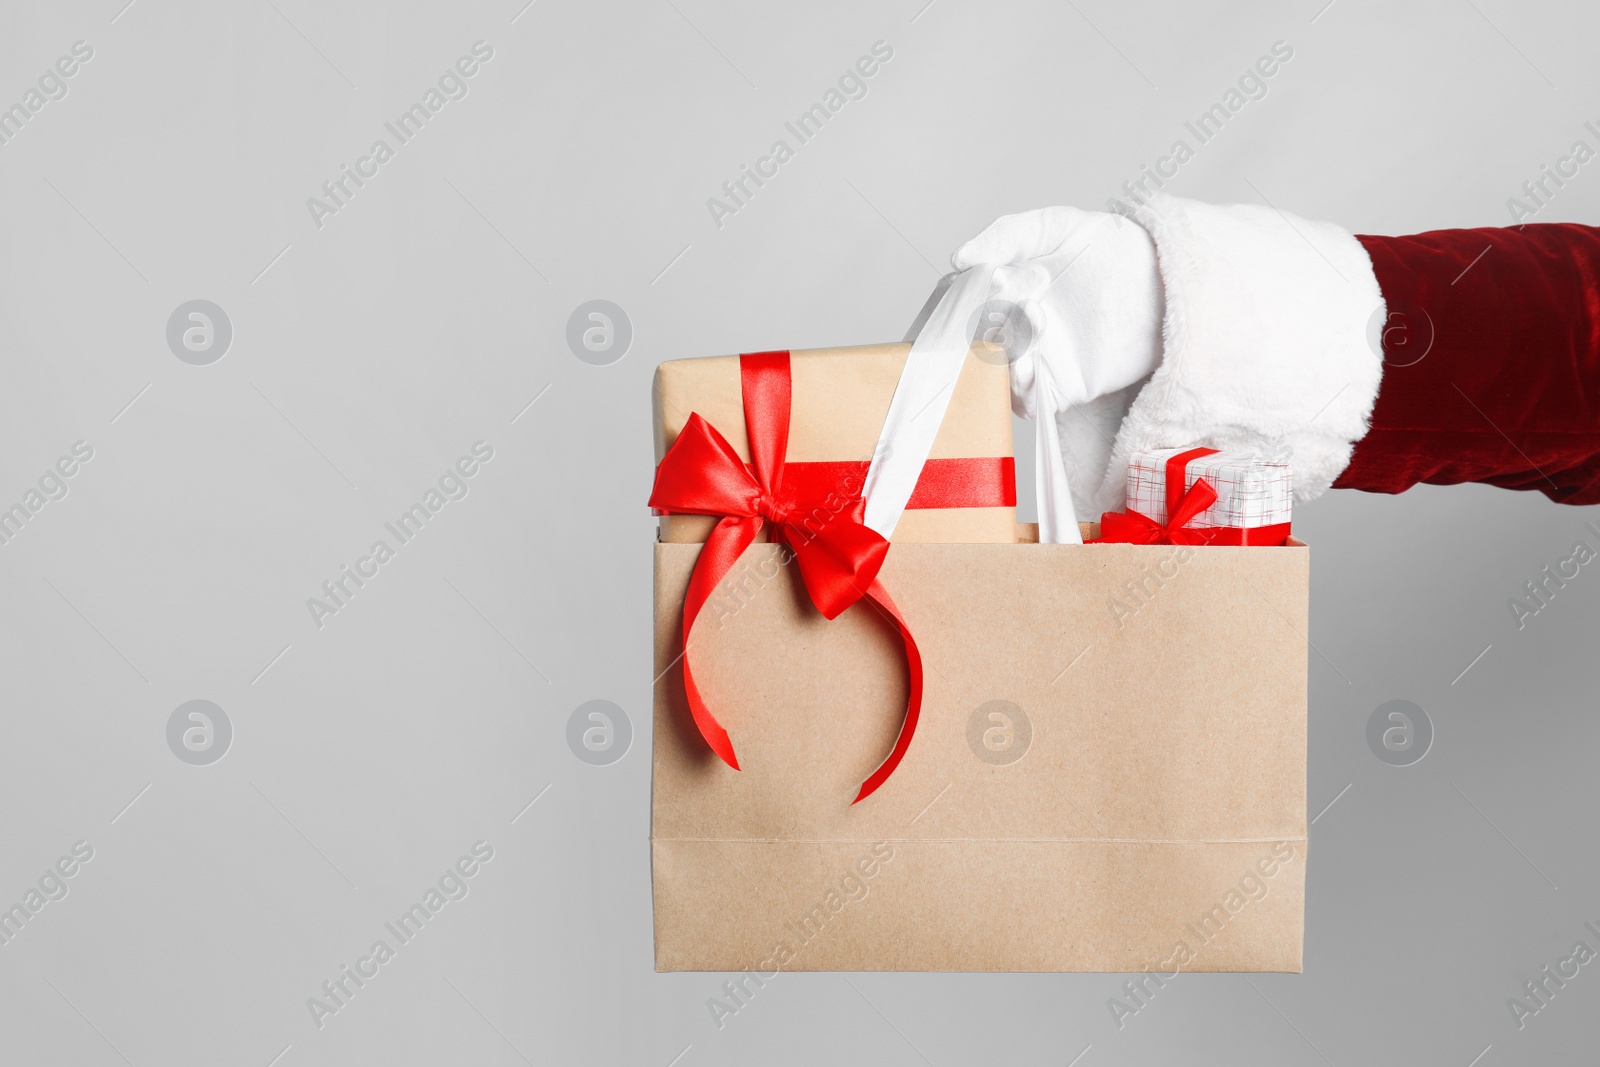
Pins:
x,y
1088,286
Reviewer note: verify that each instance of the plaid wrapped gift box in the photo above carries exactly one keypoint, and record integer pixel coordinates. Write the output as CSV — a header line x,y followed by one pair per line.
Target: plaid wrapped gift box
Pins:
x,y
1251,491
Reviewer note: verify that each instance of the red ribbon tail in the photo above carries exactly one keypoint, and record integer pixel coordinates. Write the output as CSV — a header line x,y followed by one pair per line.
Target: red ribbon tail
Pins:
x,y
710,729
722,549
836,563
1199,497
880,596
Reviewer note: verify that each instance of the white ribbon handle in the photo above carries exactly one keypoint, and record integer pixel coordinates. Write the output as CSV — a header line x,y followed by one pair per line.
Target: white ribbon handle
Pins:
x,y
1058,521
923,395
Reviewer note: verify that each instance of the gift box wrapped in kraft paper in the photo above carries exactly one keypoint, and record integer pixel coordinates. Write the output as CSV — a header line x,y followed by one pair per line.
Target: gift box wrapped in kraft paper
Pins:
x,y
839,397
958,756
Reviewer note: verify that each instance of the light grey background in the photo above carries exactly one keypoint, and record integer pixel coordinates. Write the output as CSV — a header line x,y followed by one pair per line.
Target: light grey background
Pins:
x,y
368,354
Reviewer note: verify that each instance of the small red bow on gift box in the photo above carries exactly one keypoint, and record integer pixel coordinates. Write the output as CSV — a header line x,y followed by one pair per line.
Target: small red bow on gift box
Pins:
x,y
1132,527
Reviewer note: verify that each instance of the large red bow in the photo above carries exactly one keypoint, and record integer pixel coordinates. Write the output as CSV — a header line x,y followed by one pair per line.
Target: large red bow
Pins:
x,y
1133,527
837,555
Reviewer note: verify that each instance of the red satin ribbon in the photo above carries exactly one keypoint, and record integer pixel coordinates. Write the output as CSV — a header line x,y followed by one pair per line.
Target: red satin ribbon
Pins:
x,y
1133,527
979,482
815,509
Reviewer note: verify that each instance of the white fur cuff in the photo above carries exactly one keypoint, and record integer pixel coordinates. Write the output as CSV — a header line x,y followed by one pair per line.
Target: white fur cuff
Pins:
x,y
1265,340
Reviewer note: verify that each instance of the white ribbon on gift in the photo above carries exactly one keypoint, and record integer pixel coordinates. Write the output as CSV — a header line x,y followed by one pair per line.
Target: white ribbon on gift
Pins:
x,y
925,387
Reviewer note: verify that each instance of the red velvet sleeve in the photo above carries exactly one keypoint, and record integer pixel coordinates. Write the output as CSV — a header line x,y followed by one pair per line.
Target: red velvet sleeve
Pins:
x,y
1491,362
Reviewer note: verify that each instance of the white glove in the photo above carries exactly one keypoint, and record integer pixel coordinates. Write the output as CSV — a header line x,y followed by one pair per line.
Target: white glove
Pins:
x,y
1088,284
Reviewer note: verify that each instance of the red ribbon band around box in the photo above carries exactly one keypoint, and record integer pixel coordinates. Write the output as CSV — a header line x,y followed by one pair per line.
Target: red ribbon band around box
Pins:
x,y
815,509
1133,527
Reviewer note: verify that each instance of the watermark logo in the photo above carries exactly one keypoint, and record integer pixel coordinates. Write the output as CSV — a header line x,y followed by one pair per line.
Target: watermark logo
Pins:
x,y
1538,190
199,732
1549,980
453,485
52,486
340,190
999,733
738,191
1400,333
52,86
599,332
1541,589
52,886
1152,579
451,886
599,732
1251,888
1252,85
851,887
1004,328
199,332
1399,733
